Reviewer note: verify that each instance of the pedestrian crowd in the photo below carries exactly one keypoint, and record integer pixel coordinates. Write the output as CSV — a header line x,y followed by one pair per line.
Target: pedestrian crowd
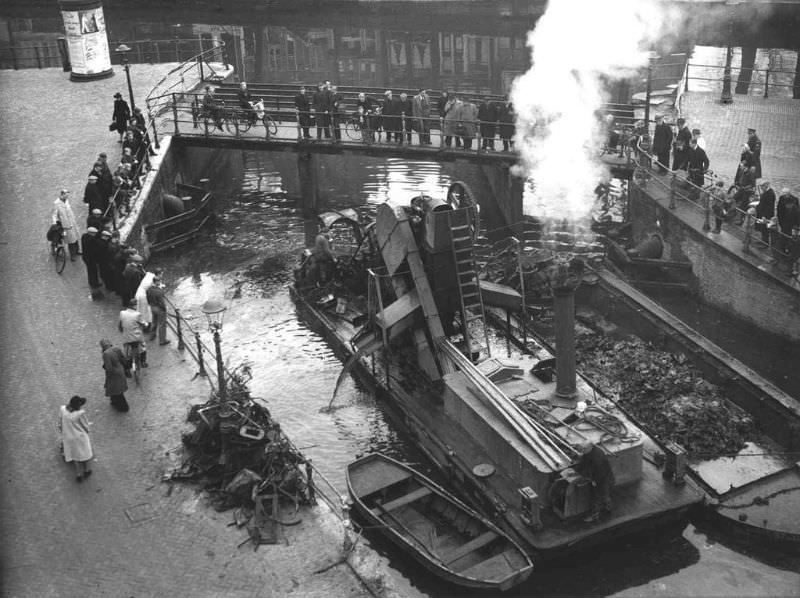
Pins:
x,y
749,200
111,267
395,118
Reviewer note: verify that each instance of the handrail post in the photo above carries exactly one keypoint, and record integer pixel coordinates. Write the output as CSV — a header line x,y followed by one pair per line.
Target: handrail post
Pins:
x,y
766,85
175,114
403,128
179,329
748,230
441,131
38,57
200,66
155,131
200,361
686,81
707,212
673,183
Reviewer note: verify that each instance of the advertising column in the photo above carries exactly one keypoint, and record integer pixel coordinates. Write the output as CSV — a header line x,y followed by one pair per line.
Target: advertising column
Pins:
x,y
87,43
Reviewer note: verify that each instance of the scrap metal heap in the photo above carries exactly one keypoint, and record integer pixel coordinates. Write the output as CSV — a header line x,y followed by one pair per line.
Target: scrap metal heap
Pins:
x,y
238,453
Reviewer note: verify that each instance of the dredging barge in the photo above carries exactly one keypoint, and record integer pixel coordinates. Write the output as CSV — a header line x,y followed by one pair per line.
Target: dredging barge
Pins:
x,y
406,308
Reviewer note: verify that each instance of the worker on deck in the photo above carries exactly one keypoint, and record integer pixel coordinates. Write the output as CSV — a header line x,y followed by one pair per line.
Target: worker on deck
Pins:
x,y
594,464
319,265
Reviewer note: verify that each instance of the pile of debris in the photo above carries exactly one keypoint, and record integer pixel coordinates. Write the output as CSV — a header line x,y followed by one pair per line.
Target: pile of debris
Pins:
x,y
667,395
240,456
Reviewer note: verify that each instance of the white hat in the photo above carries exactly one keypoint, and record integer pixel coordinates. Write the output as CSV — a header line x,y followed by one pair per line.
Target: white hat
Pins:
x,y
91,229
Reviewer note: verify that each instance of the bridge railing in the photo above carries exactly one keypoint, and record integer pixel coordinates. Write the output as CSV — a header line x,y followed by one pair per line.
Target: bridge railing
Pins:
x,y
185,114
759,237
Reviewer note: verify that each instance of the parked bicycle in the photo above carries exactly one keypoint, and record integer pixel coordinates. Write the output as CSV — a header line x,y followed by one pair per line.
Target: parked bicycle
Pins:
x,y
238,120
358,128
58,246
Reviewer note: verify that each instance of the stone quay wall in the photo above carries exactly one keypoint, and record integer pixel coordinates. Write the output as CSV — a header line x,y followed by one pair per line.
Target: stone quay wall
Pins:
x,y
720,277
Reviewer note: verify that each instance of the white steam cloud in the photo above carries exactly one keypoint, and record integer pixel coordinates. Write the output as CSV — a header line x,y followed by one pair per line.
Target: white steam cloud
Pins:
x,y
575,47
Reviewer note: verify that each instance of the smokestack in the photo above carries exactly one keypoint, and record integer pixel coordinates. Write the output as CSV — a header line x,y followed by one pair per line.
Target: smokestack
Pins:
x,y
564,280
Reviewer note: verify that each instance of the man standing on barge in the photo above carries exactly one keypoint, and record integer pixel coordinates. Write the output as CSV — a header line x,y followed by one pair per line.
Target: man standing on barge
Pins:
x,y
594,464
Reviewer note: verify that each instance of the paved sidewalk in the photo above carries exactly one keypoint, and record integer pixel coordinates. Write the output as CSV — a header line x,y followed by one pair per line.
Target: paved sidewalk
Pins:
x,y
777,123
123,532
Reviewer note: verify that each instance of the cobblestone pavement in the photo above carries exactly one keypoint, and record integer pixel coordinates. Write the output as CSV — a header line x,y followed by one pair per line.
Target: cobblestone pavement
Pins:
x,y
122,532
777,123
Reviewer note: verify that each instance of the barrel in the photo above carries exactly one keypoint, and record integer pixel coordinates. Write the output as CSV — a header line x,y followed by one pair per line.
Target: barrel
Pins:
x,y
649,248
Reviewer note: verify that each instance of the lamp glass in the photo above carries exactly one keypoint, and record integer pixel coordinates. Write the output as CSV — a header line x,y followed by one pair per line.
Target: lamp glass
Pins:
x,y
214,310
122,48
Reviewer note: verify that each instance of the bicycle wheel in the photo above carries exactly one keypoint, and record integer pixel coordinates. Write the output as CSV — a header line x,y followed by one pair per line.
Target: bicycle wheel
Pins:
x,y
353,130
136,365
244,122
60,258
270,125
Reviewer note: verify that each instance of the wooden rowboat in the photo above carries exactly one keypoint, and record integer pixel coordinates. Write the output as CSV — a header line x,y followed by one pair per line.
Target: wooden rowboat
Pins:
x,y
448,538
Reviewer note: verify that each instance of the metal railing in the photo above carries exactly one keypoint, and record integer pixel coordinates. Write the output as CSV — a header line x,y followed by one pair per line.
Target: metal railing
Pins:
x,y
778,248
186,77
745,78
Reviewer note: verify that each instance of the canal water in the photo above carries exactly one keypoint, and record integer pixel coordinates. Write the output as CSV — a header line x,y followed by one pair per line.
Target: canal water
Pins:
x,y
248,259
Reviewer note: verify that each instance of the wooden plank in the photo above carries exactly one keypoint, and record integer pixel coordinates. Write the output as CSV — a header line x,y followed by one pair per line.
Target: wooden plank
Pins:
x,y
421,492
493,568
471,546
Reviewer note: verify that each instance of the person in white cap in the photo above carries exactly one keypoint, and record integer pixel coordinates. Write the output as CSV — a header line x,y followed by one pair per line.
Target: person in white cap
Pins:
x,y
95,219
93,196
62,212
91,249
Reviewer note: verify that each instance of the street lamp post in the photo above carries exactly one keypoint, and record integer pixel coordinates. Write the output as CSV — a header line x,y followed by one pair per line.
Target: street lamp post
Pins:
x,y
215,312
123,50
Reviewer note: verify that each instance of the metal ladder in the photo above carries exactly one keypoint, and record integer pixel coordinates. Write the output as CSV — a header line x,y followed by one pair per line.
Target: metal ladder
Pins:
x,y
469,292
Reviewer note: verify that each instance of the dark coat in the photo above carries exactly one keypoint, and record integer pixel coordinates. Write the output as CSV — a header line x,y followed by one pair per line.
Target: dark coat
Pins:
x,y
507,117
94,197
113,364
662,139
303,104
488,116
244,97
596,466
122,114
754,143
788,213
766,204
89,248
321,101
697,159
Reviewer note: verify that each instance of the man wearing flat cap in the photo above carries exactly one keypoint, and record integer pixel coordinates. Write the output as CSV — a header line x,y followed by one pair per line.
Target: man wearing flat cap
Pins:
x,y
95,219
93,196
122,113
90,255
754,143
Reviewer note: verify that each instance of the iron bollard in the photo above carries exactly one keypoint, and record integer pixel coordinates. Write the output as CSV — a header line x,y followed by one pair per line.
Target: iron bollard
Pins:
x,y
707,213
672,185
179,330
200,361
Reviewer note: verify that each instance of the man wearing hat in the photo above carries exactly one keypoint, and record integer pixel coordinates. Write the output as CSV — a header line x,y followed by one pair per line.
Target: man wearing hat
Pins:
x,y
681,145
122,113
698,136
101,170
321,104
90,254
662,143
754,143
93,196
105,255
132,276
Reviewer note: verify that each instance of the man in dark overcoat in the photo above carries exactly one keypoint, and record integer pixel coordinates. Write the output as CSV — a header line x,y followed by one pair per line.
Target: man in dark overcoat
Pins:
x,y
662,143
302,104
320,103
391,117
681,145
122,113
89,255
765,210
754,143
114,364
487,117
406,109
697,163
337,112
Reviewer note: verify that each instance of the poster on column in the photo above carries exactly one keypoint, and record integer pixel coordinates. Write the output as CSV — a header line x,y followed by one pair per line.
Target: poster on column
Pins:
x,y
87,41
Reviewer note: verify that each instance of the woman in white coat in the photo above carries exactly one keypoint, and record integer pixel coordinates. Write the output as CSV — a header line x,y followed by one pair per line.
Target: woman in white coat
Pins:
x,y
74,427
62,212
